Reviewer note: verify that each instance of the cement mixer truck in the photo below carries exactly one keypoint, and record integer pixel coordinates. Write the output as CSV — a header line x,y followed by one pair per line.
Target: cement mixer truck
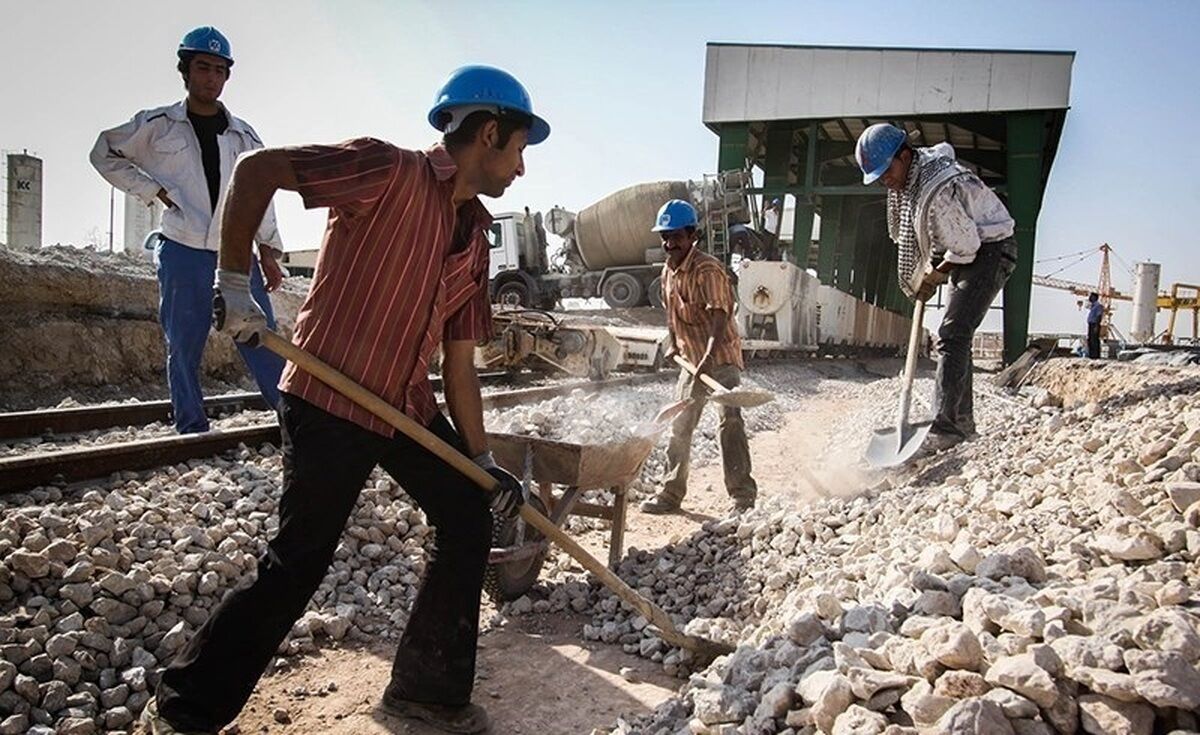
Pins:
x,y
609,250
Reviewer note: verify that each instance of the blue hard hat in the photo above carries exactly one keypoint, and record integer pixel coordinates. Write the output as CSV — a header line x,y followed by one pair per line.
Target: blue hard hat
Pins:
x,y
675,215
483,87
876,148
206,40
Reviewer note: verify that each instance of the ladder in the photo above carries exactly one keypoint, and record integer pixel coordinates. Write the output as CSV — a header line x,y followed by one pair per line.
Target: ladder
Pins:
x,y
722,195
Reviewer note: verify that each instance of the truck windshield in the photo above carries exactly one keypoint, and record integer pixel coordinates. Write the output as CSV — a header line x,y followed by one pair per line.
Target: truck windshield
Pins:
x,y
496,236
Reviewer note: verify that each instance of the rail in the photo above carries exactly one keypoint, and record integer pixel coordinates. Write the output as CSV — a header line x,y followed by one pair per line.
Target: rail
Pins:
x,y
74,465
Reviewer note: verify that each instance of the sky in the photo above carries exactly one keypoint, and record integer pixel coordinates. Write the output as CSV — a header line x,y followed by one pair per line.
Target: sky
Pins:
x,y
621,84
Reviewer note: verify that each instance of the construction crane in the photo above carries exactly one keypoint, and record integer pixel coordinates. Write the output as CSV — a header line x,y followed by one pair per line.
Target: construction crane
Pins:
x,y
1104,288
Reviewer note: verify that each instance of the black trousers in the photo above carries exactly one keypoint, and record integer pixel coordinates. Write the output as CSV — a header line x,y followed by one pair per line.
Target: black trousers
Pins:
x,y
1093,340
973,288
326,461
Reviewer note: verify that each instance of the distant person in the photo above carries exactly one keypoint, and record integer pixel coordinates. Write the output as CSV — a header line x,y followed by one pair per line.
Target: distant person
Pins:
x,y
698,296
1095,315
182,155
772,219
948,226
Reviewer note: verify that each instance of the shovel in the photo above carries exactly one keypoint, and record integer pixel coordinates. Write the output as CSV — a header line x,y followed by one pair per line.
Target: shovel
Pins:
x,y
704,649
894,446
737,397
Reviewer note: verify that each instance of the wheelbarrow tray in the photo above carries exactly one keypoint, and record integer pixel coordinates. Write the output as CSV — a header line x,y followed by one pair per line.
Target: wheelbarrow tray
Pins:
x,y
586,466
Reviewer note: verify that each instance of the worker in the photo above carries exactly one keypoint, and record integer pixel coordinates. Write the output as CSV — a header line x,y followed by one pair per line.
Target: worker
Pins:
x,y
949,227
403,270
1095,315
181,155
698,296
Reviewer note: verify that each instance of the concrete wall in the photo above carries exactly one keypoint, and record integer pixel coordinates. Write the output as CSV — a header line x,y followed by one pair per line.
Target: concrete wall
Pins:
x,y
750,82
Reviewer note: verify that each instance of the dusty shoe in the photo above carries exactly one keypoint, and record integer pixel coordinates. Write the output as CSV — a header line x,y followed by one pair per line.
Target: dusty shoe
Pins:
x,y
661,505
467,718
155,724
939,441
743,504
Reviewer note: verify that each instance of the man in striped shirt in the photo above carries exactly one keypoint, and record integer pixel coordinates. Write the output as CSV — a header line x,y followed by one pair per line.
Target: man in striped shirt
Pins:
x,y
402,270
698,296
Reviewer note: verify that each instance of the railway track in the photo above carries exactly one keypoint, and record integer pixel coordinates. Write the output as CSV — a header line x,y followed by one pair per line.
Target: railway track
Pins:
x,y
74,465
21,424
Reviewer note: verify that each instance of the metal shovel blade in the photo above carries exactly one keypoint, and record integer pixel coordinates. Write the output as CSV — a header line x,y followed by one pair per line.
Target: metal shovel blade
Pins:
x,y
896,445
741,397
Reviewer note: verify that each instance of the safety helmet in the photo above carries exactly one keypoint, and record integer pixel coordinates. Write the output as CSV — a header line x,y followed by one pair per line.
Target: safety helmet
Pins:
x,y
476,87
206,40
675,215
876,148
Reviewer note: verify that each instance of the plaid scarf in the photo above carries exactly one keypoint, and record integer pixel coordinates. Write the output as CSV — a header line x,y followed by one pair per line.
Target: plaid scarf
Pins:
x,y
906,210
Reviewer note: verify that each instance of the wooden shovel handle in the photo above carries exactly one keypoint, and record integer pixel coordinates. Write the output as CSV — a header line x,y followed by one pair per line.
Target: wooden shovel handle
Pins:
x,y
448,454
705,378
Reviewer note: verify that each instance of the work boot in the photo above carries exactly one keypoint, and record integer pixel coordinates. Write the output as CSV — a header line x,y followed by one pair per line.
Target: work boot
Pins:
x,y
743,503
939,441
661,504
467,718
155,724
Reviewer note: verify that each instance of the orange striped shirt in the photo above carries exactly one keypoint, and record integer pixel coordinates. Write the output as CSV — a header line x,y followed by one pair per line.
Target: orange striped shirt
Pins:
x,y
396,275
691,292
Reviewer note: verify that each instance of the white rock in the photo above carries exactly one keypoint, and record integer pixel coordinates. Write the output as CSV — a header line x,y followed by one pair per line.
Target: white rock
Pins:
x,y
1102,715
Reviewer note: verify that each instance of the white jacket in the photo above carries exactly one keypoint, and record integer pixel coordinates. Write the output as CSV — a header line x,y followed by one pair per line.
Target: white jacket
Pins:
x,y
158,149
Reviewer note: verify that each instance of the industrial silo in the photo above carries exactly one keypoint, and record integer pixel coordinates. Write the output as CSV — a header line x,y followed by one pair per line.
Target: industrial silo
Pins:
x,y
140,220
1145,301
24,201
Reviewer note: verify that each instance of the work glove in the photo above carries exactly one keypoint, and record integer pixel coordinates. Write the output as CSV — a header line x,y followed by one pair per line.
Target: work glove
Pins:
x,y
509,495
234,310
932,280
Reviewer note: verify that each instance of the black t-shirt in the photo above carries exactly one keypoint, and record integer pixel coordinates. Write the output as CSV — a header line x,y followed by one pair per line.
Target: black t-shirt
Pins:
x,y
207,128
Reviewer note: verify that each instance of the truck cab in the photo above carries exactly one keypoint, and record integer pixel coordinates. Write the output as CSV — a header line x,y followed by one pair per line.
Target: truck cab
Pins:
x,y
517,261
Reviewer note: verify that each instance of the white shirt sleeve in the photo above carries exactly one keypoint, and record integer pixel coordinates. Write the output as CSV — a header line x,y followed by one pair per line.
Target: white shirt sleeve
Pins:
x,y
115,156
964,214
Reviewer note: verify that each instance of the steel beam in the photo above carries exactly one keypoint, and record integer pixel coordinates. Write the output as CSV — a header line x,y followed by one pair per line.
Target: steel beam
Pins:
x,y
802,227
732,150
1025,146
847,244
831,219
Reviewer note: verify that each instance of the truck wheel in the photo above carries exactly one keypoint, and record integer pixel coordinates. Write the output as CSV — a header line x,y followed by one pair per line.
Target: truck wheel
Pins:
x,y
622,291
514,293
654,294
507,582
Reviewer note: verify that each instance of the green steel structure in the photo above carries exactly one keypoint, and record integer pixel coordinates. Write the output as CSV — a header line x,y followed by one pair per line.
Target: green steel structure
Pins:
x,y
812,160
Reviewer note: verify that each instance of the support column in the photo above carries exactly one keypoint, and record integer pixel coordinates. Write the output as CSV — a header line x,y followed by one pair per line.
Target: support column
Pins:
x,y
802,227
731,151
831,220
1026,140
847,245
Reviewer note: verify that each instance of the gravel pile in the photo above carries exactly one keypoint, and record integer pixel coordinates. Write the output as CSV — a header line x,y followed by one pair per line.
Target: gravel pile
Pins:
x,y
1038,580
100,588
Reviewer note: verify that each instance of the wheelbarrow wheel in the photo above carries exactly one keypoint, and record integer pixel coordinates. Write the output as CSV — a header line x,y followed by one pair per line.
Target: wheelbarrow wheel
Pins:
x,y
507,581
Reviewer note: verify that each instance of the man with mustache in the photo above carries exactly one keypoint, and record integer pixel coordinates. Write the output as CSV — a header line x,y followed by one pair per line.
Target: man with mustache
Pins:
x,y
698,297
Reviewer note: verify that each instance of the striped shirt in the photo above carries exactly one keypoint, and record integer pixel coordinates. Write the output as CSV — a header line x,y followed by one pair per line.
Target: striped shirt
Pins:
x,y
691,292
396,275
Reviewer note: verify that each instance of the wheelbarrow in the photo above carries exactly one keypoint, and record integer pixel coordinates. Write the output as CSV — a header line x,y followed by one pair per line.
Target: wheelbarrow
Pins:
x,y
518,549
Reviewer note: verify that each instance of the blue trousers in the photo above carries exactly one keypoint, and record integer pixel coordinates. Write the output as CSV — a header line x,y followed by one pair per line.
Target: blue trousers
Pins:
x,y
185,294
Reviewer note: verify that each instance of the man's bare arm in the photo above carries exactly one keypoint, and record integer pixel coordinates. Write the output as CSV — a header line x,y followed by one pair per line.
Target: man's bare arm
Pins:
x,y
256,178
461,384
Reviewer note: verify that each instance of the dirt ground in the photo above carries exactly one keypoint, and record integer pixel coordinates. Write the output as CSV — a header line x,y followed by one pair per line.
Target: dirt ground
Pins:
x,y
536,673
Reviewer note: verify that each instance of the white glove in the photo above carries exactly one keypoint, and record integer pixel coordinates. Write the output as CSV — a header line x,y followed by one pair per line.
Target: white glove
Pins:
x,y
234,310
